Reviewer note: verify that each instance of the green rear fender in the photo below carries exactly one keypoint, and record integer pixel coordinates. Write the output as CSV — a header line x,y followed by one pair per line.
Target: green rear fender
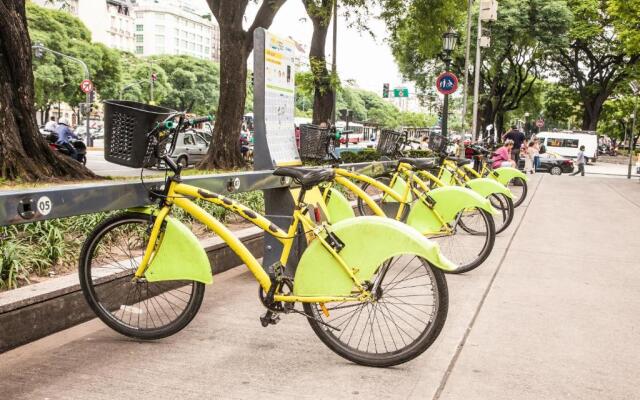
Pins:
x,y
485,187
369,241
505,174
447,203
337,206
179,255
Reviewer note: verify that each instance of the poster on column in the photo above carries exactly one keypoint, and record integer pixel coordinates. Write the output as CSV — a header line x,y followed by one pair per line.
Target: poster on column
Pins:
x,y
279,100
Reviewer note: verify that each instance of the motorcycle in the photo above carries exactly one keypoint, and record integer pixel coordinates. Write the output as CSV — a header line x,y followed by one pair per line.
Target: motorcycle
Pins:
x,y
79,145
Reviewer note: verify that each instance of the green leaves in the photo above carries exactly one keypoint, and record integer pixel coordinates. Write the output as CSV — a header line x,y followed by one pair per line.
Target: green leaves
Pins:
x,y
626,20
62,32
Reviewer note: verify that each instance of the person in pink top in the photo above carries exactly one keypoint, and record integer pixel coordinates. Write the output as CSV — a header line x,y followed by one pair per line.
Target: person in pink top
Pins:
x,y
502,156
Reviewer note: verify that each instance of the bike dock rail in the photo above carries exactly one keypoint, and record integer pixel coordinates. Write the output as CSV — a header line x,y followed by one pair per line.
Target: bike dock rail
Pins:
x,y
35,311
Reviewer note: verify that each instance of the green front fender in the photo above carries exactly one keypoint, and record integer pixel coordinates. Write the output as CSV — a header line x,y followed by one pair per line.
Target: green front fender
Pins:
x,y
447,203
400,187
337,206
505,174
369,241
179,254
486,187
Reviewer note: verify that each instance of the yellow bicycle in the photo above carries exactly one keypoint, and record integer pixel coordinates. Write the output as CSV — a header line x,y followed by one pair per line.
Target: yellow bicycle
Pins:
x,y
371,288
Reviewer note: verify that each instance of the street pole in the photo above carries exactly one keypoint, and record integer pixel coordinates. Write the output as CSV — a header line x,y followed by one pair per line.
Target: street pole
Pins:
x,y
466,65
476,82
635,88
445,108
151,83
633,129
333,59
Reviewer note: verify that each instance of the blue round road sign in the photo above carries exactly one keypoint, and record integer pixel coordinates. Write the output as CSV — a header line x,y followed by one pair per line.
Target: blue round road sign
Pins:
x,y
447,83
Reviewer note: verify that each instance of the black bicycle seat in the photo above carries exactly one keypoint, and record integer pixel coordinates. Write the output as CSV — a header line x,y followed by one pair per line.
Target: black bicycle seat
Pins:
x,y
418,163
459,161
306,177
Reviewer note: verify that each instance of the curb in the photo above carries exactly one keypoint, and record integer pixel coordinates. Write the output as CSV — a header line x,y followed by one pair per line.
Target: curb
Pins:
x,y
35,311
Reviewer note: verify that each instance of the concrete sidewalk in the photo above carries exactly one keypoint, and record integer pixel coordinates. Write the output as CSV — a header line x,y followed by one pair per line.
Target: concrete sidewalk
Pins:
x,y
552,314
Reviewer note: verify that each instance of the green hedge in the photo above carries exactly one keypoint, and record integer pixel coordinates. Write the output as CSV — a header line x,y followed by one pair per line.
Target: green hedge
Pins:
x,y
368,155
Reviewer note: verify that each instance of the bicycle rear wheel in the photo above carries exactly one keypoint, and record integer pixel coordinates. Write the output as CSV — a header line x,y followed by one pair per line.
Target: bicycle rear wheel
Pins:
x,y
504,206
406,316
519,189
141,309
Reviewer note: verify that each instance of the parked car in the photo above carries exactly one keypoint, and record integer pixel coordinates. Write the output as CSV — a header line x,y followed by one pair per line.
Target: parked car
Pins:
x,y
204,134
190,148
552,163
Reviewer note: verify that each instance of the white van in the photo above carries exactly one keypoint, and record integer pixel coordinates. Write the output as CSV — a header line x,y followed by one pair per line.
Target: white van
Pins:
x,y
567,143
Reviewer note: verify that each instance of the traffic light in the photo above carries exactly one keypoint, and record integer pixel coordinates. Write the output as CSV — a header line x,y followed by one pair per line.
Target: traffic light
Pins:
x,y
385,90
154,76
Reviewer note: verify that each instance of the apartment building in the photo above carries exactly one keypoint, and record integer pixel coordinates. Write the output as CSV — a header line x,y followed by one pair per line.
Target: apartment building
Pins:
x,y
169,27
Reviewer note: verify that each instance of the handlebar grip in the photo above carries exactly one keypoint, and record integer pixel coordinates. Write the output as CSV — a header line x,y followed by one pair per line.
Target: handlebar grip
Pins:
x,y
196,121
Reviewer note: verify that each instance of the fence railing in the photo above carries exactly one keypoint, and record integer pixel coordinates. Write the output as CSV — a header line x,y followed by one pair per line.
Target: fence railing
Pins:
x,y
30,205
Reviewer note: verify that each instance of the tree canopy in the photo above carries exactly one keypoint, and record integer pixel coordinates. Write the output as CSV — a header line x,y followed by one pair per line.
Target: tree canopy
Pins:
x,y
58,78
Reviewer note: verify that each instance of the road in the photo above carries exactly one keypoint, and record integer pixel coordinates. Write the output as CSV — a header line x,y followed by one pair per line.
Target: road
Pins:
x,y
97,164
553,314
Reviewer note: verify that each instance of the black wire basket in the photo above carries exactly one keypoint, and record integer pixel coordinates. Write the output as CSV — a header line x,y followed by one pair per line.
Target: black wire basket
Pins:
x,y
438,143
314,142
126,124
388,142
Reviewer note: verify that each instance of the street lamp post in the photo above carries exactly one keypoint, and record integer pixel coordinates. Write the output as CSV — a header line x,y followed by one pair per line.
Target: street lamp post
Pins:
x,y
39,52
635,88
130,85
449,41
526,123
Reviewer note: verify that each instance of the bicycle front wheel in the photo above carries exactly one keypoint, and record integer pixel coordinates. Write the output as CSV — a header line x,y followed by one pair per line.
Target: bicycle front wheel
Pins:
x,y
505,208
405,317
471,241
139,309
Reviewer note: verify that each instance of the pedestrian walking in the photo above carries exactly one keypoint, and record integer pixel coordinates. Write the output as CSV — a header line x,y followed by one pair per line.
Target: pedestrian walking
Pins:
x,y
581,160
529,163
518,138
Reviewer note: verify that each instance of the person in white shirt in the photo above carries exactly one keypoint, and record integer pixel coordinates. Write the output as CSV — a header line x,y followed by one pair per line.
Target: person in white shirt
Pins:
x,y
51,126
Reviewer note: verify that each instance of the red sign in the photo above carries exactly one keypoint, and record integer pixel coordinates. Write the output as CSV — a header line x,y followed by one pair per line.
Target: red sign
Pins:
x,y
86,86
447,83
540,123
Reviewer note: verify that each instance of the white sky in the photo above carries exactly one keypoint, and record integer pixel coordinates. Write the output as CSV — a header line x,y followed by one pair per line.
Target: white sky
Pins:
x,y
360,57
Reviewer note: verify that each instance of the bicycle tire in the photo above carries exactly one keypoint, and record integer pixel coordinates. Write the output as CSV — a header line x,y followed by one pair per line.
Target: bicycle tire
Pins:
x,y
388,311
100,286
523,192
505,208
487,248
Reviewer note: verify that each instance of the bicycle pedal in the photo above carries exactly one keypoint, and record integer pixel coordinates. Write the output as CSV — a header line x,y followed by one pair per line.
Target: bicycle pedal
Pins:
x,y
269,318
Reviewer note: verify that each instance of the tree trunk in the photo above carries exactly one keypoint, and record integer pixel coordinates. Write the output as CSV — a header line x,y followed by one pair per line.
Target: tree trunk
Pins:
x,y
323,89
225,153
235,46
592,111
24,153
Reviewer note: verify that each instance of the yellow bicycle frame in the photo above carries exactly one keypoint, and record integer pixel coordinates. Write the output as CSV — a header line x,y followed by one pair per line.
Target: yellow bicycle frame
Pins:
x,y
180,195
343,176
